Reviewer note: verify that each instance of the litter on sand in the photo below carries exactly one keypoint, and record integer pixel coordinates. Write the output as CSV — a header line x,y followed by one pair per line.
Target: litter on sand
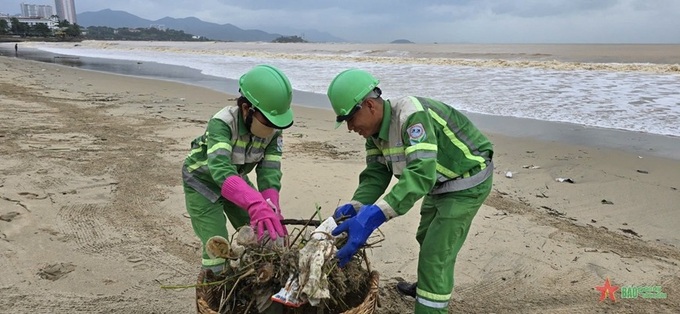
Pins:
x,y
567,180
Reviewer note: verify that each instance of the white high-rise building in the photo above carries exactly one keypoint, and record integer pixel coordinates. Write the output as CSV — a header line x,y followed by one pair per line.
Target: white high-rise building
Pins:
x,y
36,10
66,10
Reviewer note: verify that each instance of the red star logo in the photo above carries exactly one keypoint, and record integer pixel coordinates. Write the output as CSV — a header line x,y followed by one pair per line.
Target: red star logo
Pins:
x,y
607,291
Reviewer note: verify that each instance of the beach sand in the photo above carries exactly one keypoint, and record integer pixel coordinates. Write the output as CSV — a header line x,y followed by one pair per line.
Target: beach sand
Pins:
x,y
92,216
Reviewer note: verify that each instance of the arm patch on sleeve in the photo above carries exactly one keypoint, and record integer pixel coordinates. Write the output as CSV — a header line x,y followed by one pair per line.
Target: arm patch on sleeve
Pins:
x,y
416,133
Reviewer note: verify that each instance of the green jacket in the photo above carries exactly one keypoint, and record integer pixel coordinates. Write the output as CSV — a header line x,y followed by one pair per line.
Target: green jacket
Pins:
x,y
430,147
228,148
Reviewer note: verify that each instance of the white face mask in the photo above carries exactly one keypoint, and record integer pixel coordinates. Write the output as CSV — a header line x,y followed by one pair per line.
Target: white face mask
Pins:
x,y
260,130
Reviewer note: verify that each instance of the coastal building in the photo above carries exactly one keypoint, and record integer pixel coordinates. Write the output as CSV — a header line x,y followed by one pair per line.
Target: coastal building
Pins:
x,y
36,10
51,22
66,10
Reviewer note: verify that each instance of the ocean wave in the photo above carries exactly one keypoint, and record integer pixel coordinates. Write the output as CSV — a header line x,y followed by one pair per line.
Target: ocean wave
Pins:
x,y
398,57
556,91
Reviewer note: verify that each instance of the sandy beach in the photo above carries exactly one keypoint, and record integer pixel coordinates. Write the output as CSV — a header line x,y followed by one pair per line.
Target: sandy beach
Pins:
x,y
92,216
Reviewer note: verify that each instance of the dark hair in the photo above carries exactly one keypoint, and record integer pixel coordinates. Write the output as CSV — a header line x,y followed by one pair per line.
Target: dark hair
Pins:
x,y
378,91
243,101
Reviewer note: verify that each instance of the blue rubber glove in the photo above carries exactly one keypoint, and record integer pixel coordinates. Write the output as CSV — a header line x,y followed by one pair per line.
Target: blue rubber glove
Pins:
x,y
358,228
345,211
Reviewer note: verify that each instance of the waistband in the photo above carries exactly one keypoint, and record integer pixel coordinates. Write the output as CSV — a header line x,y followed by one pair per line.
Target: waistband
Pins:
x,y
462,183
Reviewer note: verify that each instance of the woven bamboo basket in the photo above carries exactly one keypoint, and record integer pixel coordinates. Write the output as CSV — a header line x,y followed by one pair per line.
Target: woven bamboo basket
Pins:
x,y
208,297
207,305
207,302
371,300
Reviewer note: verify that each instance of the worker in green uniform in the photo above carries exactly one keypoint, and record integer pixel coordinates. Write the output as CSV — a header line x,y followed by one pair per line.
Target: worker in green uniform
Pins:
x,y
437,154
237,140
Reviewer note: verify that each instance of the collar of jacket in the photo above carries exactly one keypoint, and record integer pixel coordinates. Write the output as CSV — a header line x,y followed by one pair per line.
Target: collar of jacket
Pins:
x,y
385,124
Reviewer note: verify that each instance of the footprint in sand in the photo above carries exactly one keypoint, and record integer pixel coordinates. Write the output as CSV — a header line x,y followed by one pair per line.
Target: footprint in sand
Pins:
x,y
33,196
9,216
56,271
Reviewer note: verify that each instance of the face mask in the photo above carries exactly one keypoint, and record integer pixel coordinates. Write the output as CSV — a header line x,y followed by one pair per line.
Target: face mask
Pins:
x,y
260,130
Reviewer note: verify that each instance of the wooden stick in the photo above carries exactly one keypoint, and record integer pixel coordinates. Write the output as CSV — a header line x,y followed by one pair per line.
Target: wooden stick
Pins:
x,y
246,274
303,228
301,222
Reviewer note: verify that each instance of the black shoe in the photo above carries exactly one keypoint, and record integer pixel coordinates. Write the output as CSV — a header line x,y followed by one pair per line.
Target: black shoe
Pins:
x,y
407,288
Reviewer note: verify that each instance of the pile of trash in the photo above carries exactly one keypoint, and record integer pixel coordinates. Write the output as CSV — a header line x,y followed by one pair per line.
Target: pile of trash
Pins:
x,y
284,276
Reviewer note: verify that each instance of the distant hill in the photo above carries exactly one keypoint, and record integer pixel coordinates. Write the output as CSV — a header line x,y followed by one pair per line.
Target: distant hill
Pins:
x,y
110,18
191,25
401,41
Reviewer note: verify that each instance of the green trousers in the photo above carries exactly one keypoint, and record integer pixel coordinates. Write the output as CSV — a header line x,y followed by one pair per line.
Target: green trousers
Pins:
x,y
208,219
445,220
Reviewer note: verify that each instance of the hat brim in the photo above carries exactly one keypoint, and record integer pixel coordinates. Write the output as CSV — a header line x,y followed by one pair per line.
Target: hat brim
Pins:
x,y
338,124
281,121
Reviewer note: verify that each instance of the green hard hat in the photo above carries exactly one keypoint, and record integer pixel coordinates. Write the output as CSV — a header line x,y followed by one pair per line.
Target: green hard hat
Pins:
x,y
348,89
269,90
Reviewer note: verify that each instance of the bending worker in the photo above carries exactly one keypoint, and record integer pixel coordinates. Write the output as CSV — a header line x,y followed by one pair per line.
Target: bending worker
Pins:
x,y
436,153
237,140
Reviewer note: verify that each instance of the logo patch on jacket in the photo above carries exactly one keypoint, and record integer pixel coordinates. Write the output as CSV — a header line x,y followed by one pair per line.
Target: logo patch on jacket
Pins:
x,y
416,133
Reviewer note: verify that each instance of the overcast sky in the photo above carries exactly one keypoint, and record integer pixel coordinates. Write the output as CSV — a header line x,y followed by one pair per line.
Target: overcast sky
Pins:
x,y
425,21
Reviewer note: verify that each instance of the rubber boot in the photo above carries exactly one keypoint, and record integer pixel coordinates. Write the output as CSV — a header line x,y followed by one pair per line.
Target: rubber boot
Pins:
x,y
407,288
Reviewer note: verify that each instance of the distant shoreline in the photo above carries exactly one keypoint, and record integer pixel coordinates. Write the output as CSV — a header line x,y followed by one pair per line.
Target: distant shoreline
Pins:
x,y
18,39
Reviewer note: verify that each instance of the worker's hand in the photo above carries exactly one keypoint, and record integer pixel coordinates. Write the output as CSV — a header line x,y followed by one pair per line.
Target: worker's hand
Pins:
x,y
262,218
271,196
348,210
358,228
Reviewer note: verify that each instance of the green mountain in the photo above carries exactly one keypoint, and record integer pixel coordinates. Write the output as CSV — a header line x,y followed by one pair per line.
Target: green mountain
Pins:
x,y
191,25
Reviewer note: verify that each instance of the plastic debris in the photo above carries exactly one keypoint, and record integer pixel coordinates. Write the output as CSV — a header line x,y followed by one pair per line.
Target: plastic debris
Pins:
x,y
531,167
567,180
643,171
312,258
508,174
246,236
606,202
311,277
288,295
218,247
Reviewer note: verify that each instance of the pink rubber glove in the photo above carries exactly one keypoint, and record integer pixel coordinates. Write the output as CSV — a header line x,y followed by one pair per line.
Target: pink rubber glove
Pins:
x,y
273,195
262,217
